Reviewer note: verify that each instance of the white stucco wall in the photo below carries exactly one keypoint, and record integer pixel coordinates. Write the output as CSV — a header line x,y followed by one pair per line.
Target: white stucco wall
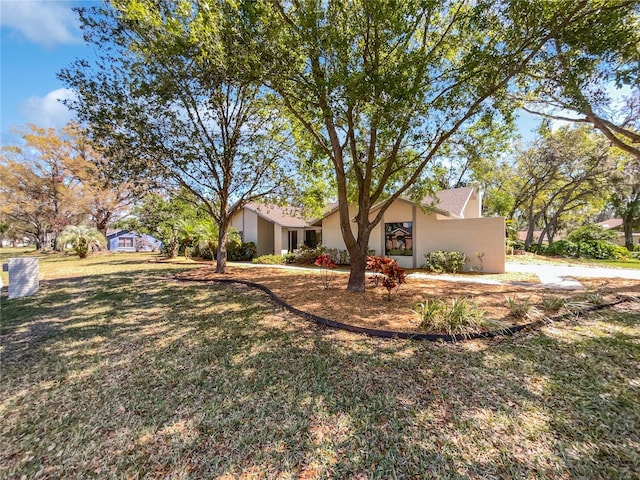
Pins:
x,y
469,236
246,221
473,209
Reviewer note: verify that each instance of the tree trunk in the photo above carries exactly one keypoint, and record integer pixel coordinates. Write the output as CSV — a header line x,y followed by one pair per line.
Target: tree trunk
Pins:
x,y
357,270
221,257
358,258
174,247
628,233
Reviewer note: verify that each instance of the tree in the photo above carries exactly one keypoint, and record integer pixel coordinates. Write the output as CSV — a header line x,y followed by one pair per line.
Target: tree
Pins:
x,y
585,81
162,216
382,88
175,89
626,197
564,171
81,238
38,188
103,197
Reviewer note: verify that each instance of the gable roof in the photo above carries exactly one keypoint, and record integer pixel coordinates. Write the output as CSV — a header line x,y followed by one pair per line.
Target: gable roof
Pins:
x,y
290,217
452,201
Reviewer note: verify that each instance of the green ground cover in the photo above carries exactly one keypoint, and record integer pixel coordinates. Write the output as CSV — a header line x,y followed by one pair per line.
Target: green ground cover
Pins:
x,y
115,370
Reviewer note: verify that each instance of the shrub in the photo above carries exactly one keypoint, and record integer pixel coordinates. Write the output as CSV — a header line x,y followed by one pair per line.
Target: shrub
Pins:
x,y
326,265
553,304
82,239
563,248
270,259
241,252
591,233
388,273
307,255
340,257
515,244
442,261
461,317
520,307
601,249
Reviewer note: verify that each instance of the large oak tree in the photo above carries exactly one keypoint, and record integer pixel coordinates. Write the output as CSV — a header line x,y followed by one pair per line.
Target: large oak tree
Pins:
x,y
383,87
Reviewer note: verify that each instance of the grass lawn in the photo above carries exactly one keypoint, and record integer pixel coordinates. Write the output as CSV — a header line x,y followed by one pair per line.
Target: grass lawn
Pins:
x,y
588,262
115,370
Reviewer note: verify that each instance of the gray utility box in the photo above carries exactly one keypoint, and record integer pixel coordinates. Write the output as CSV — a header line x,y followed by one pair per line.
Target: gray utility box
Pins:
x,y
24,276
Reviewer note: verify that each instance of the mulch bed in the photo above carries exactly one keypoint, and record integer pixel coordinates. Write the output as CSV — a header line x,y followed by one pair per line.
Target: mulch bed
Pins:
x,y
304,290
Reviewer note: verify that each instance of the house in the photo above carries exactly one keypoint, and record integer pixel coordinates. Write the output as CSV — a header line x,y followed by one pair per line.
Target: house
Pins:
x,y
616,224
275,229
451,221
129,241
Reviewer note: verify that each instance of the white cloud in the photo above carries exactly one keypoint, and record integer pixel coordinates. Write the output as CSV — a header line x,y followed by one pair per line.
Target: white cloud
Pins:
x,y
46,23
48,111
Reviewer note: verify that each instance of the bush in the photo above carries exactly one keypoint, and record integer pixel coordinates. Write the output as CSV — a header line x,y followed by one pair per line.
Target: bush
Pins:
x,y
441,261
520,307
307,255
270,259
563,248
339,257
388,273
590,233
241,252
601,249
202,251
461,317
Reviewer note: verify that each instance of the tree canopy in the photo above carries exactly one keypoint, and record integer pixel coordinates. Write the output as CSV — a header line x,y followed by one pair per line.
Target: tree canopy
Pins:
x,y
383,88
172,95
54,179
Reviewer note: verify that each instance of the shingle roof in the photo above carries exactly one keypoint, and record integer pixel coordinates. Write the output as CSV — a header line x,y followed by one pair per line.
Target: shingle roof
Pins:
x,y
290,217
611,223
453,200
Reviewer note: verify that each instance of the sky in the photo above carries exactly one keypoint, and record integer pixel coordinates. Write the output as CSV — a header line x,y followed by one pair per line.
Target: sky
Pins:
x,y
37,40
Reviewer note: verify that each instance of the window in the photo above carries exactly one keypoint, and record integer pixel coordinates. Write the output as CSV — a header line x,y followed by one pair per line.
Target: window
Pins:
x,y
125,242
398,239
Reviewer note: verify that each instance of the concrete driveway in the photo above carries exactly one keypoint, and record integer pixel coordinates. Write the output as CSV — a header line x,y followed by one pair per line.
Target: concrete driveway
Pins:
x,y
564,276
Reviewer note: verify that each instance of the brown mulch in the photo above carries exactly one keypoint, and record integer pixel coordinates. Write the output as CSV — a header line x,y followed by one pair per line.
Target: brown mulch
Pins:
x,y
304,290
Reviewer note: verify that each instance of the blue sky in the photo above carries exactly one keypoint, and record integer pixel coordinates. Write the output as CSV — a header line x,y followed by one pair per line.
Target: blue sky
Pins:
x,y
38,39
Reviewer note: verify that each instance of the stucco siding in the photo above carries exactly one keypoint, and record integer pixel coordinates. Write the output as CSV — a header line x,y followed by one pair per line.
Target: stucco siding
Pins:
x,y
470,236
473,209
265,244
246,221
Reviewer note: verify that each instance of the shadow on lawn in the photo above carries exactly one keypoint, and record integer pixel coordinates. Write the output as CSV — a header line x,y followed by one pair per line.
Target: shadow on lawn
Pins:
x,y
148,375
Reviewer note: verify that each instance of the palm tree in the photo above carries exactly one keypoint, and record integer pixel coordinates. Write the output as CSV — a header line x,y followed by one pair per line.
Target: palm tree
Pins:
x,y
81,239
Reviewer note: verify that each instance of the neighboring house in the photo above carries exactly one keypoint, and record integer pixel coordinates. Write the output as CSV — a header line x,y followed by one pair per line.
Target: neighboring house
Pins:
x,y
275,229
451,222
616,224
128,241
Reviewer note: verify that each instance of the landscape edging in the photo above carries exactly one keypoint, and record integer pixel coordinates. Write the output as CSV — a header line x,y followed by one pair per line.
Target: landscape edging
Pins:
x,y
432,337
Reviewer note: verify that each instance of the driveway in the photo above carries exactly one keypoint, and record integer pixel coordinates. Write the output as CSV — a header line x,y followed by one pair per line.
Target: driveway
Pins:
x,y
564,276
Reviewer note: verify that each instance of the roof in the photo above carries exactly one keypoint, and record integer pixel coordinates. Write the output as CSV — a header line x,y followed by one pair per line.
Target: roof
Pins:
x,y
452,201
611,223
290,217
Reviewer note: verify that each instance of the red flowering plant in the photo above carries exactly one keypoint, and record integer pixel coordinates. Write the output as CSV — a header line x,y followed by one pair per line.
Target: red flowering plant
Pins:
x,y
326,265
388,274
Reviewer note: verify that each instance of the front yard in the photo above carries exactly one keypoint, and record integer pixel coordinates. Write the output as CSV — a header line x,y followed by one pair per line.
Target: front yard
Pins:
x,y
118,370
